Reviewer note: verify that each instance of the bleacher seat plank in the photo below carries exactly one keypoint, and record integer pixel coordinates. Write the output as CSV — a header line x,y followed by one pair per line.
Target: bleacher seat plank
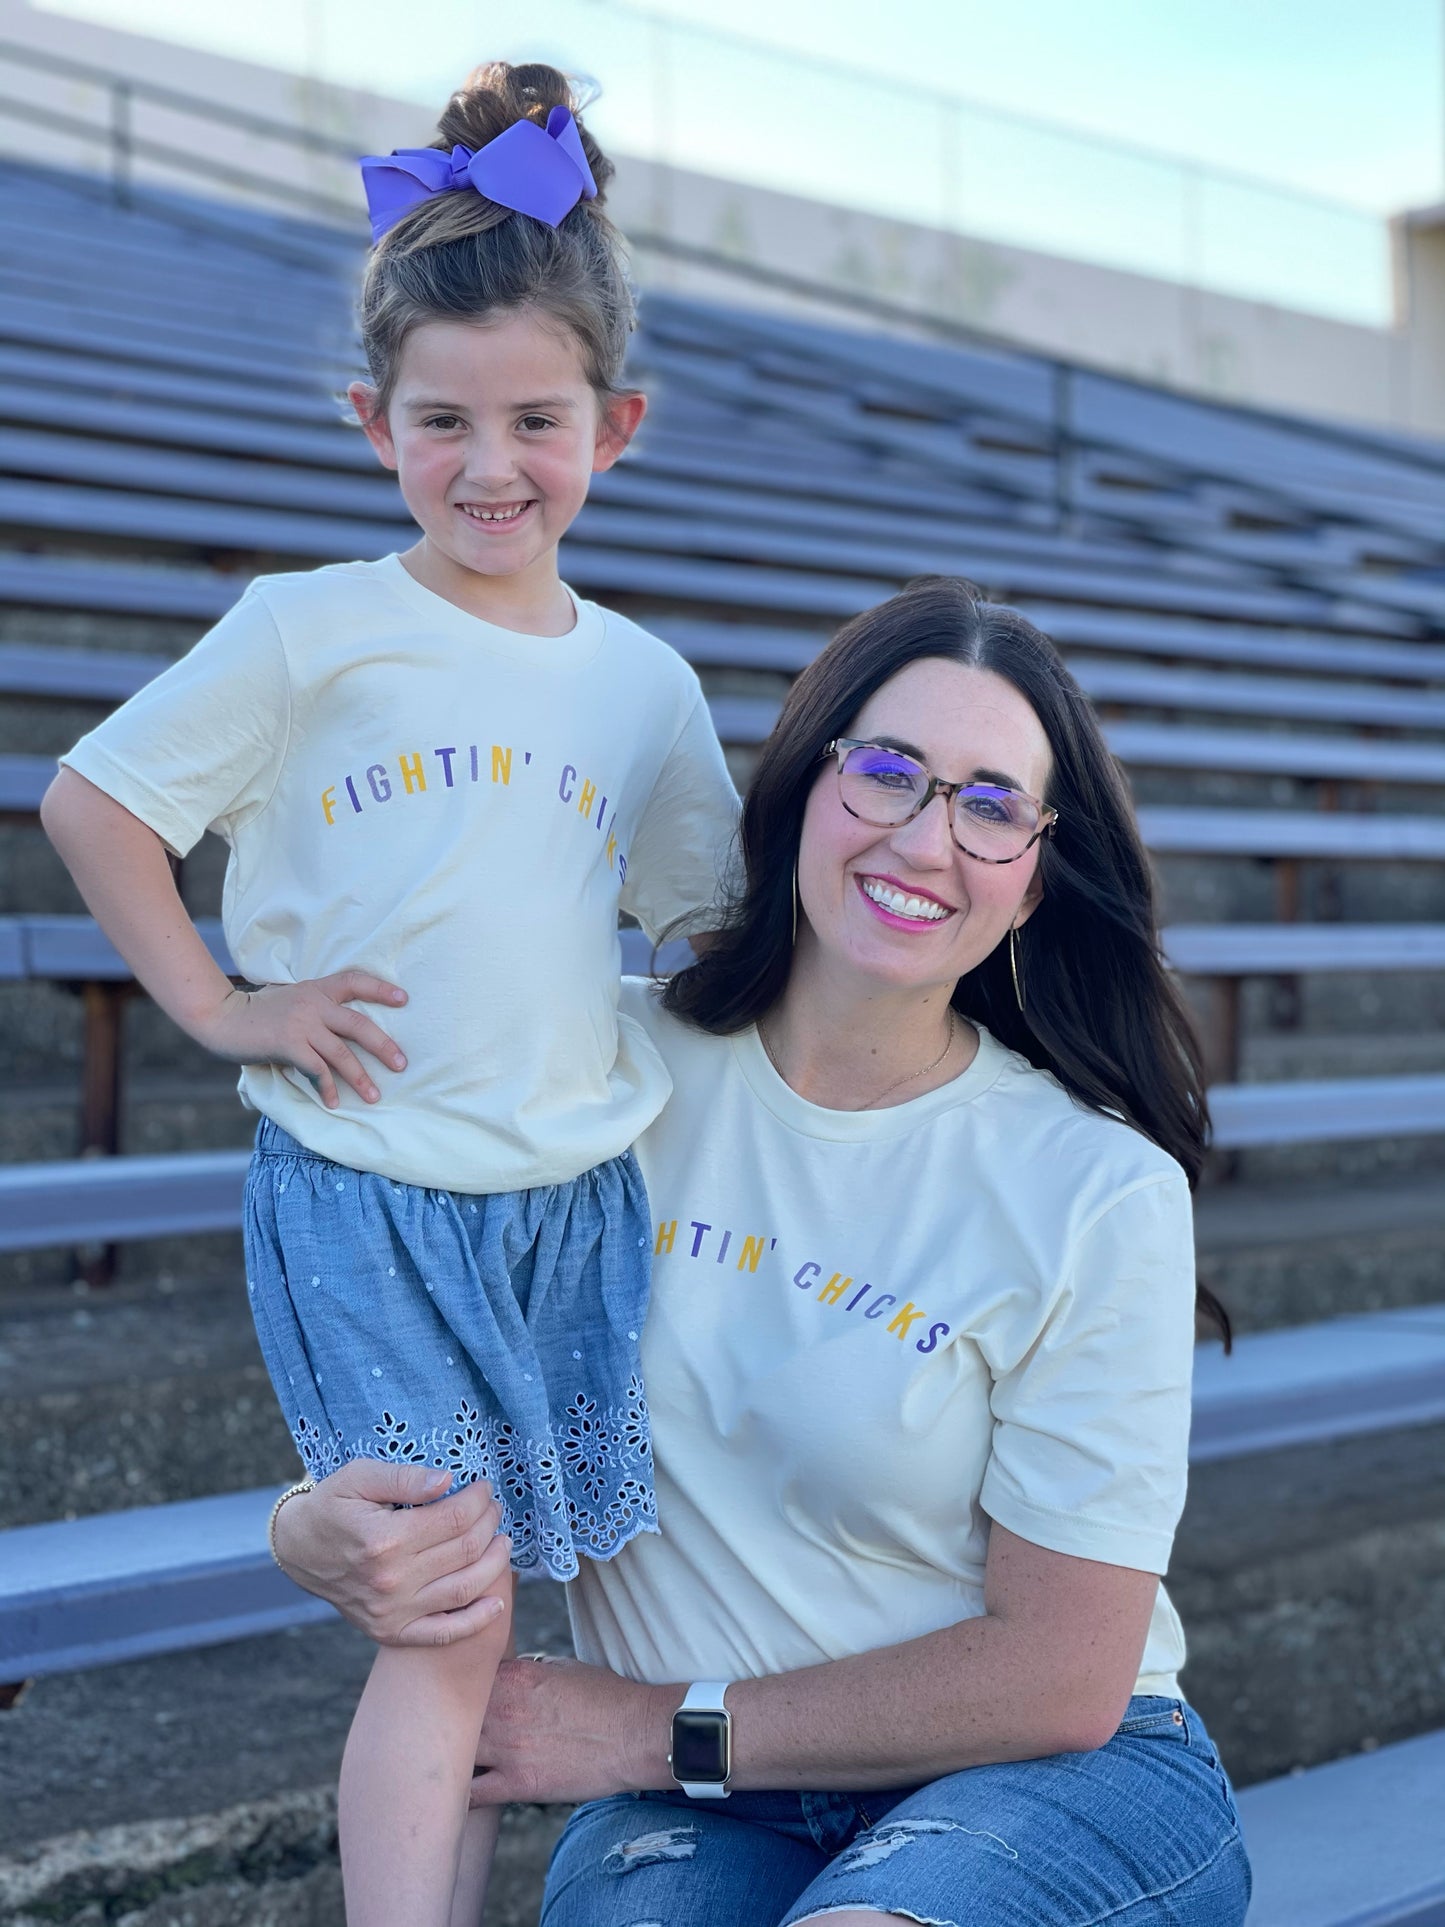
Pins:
x,y
89,675
92,1592
1265,645
1291,949
1294,698
73,949
196,475
1357,1843
33,367
1326,1110
1179,831
1376,1372
113,1200
118,588
1273,753
23,781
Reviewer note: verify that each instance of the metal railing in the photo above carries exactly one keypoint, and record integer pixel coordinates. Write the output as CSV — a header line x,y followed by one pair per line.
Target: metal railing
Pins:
x,y
833,124
114,132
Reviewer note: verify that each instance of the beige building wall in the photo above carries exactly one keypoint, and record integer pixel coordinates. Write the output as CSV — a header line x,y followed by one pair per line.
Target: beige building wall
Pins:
x,y
1214,344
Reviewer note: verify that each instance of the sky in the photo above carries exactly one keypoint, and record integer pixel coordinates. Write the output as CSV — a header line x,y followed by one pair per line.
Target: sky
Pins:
x,y
1331,98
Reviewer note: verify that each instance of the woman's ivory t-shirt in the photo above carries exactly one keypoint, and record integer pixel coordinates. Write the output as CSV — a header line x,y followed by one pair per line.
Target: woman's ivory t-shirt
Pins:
x,y
462,810
872,1332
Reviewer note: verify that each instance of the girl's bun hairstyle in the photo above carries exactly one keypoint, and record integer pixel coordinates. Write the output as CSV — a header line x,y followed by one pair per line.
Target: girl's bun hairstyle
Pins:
x,y
462,257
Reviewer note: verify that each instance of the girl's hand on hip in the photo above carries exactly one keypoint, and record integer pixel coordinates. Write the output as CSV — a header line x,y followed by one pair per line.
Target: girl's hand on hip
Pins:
x,y
559,1731
309,1026
425,1577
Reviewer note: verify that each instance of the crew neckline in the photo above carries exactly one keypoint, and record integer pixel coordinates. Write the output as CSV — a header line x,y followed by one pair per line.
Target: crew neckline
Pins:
x,y
572,650
852,1127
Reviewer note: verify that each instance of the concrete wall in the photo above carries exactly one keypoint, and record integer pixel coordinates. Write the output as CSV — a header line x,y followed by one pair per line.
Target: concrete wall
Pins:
x,y
1201,342
1419,254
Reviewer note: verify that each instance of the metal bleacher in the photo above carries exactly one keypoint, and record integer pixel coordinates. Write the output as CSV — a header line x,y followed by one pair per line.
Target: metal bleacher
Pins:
x,y
1255,606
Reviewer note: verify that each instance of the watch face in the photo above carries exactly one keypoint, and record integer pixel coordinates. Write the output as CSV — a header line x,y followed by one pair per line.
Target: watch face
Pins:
x,y
700,1746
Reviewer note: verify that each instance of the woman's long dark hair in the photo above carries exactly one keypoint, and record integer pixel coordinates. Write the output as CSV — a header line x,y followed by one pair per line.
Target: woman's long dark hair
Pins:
x,y
1100,1010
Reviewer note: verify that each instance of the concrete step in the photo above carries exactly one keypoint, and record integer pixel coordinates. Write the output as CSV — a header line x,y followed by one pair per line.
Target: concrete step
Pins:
x,y
1295,1253
1311,1584
122,1803
145,1393
1280,1056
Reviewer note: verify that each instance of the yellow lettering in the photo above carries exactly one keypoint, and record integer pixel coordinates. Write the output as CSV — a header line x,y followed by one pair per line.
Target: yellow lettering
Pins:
x,y
587,798
753,1249
834,1289
412,773
665,1236
903,1321
611,847
328,804
501,764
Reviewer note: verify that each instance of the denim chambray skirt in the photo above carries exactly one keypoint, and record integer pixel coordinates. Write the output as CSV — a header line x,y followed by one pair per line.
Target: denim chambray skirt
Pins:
x,y
494,1336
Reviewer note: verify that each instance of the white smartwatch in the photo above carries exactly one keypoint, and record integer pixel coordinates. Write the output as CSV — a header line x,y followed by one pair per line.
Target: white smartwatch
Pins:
x,y
702,1741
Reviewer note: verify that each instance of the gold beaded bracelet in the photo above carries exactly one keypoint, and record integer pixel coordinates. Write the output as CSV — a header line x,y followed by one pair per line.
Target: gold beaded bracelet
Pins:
x,y
291,1492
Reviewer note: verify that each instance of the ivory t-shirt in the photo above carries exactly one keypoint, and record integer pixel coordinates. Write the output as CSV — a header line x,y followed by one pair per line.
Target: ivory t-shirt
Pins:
x,y
871,1333
462,810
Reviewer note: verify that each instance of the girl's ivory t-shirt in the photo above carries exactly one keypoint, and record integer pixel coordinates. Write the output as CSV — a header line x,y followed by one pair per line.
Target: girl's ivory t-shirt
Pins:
x,y
872,1332
462,810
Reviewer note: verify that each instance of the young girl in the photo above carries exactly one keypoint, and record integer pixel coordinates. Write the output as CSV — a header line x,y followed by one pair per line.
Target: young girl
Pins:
x,y
440,776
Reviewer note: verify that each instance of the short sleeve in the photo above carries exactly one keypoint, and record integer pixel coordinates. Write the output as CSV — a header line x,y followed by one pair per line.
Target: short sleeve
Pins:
x,y
1091,1434
202,745
678,864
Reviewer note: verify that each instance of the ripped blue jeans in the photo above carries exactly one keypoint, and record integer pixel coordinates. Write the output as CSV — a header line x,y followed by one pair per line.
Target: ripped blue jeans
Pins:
x,y
1142,1832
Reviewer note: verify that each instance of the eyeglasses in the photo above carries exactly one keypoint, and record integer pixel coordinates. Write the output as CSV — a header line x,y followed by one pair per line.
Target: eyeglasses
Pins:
x,y
884,787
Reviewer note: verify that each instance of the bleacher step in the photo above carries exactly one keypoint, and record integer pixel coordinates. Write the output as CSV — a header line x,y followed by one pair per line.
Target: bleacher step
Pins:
x,y
1358,1843
120,1800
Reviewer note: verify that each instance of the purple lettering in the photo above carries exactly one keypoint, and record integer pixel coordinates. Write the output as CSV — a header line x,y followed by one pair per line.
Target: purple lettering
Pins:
x,y
727,1239
351,792
697,1231
569,777
857,1297
880,1304
474,763
446,756
930,1344
805,1274
380,782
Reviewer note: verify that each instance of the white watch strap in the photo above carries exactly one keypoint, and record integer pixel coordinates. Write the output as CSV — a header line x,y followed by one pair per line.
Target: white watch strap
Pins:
x,y
705,1696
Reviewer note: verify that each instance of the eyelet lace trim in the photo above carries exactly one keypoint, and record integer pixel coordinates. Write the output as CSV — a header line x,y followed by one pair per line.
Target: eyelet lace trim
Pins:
x,y
586,1487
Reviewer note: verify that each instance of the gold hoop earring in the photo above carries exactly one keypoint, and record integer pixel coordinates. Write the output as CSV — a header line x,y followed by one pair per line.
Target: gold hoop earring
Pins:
x,y
795,906
1013,964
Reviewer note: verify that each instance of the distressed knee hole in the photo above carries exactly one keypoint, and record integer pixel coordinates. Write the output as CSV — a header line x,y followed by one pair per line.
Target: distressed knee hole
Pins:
x,y
882,1842
648,1849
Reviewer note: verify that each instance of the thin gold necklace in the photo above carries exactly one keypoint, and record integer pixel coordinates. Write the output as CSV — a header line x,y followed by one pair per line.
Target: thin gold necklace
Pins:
x,y
898,1083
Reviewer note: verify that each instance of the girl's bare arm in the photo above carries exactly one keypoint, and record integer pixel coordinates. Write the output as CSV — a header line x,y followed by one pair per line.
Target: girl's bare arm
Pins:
x,y
122,870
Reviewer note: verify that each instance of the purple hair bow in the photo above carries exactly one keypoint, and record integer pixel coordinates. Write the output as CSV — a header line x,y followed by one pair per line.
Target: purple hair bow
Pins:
x,y
541,171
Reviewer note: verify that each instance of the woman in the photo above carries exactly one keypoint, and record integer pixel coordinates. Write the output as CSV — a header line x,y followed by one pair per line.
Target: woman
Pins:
x,y
918,1357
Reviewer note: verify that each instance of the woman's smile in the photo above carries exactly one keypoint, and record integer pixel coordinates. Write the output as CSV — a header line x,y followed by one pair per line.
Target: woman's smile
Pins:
x,y
902,906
